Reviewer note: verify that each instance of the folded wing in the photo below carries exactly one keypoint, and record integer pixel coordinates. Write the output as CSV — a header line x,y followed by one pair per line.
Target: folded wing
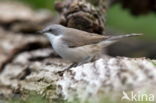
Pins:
x,y
76,38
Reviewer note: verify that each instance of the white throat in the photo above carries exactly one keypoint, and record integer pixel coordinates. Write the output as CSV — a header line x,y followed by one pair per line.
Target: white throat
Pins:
x,y
50,36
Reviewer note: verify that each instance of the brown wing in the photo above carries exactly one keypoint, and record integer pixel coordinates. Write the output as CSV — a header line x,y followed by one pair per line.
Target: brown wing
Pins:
x,y
77,38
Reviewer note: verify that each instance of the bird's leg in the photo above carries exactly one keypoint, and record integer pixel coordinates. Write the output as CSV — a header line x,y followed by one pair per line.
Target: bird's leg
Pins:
x,y
87,60
70,66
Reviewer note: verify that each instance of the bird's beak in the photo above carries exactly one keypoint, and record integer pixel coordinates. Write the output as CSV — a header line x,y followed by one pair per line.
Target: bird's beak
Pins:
x,y
41,32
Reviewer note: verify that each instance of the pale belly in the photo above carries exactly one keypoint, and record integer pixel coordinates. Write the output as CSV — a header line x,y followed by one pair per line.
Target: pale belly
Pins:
x,y
74,54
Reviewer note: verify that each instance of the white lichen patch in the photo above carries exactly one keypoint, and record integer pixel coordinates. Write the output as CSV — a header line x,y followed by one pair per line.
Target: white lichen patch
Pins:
x,y
106,75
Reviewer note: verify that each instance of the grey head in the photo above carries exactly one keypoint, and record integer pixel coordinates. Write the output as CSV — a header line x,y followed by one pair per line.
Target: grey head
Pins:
x,y
53,30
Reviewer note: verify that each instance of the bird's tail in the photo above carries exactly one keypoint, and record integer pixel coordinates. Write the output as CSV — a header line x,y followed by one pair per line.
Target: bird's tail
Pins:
x,y
114,39
118,37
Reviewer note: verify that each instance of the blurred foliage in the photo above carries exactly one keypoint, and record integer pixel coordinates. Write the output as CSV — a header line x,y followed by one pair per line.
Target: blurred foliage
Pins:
x,y
138,7
121,20
40,3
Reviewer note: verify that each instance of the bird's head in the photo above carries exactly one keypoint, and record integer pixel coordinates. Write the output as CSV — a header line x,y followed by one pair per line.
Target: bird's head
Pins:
x,y
53,31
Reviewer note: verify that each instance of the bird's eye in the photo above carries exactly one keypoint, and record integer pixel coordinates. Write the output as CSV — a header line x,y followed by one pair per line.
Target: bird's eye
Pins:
x,y
50,30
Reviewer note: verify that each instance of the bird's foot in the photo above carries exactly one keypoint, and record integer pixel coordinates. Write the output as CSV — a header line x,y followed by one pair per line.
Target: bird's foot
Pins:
x,y
67,68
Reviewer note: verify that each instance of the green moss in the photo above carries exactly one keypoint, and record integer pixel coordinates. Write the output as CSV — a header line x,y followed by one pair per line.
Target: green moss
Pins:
x,y
33,98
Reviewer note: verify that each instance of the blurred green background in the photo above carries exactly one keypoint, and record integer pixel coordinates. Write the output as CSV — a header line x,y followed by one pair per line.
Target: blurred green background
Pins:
x,y
117,18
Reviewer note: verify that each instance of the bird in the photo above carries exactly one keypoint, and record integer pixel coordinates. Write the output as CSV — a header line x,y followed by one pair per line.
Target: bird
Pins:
x,y
76,45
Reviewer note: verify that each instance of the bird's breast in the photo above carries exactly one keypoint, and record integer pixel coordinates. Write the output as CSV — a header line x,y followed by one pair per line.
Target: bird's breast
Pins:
x,y
59,46
63,50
